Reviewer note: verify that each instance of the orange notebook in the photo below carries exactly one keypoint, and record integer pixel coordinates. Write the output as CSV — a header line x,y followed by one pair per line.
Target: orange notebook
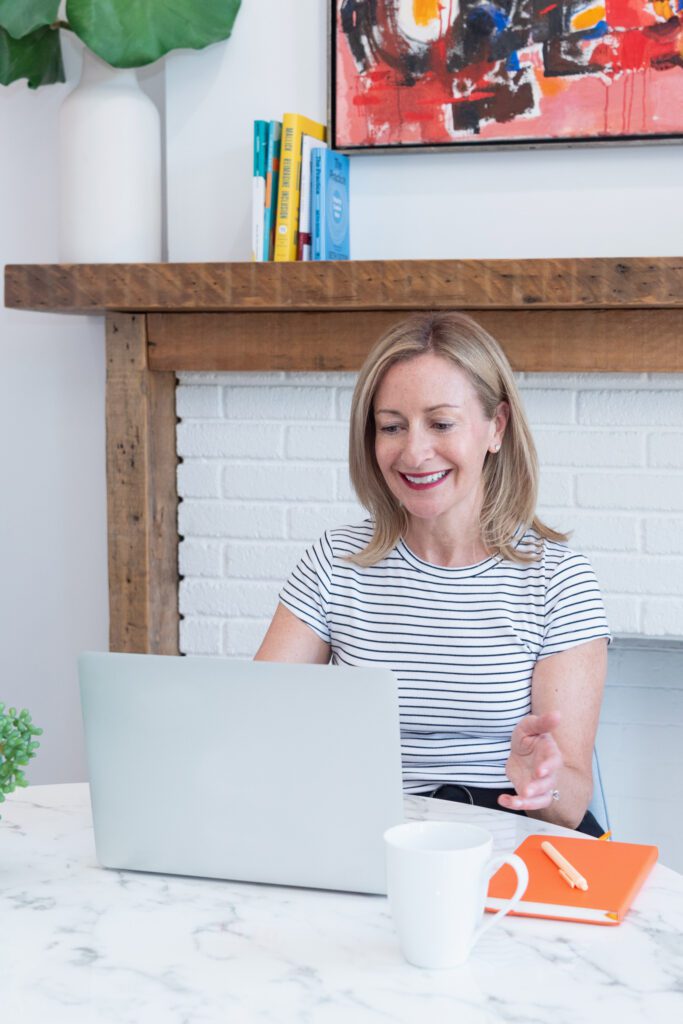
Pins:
x,y
615,873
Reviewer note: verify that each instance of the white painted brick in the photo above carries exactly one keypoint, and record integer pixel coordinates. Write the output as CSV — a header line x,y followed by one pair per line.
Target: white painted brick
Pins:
x,y
230,440
318,441
629,408
665,449
644,705
198,400
284,481
649,820
590,448
229,598
262,561
200,558
663,617
662,743
345,491
225,379
324,379
664,536
230,519
201,636
278,403
583,381
600,532
665,380
555,488
623,613
308,522
630,777
199,478
638,574
548,406
343,405
242,637
655,491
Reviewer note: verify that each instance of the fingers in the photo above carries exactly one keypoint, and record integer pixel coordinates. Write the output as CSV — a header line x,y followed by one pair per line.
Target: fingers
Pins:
x,y
514,802
537,779
535,725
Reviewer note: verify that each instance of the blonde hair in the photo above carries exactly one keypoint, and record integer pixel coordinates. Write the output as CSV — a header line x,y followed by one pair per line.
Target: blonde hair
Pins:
x,y
510,477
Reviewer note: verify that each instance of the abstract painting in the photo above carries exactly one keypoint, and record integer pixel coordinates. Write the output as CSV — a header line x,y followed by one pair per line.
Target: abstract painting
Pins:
x,y
415,73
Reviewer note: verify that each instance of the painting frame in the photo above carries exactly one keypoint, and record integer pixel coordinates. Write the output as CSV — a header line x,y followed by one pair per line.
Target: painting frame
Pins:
x,y
467,145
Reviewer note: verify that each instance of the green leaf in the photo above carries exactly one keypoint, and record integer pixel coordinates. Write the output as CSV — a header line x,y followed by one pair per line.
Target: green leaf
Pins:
x,y
37,57
20,17
130,35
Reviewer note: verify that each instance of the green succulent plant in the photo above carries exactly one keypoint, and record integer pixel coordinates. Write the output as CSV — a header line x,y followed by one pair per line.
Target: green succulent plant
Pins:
x,y
17,747
124,33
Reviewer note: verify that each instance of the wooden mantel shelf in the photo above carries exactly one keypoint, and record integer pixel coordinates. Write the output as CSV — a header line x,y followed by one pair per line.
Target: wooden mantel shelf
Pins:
x,y
355,285
564,315
552,315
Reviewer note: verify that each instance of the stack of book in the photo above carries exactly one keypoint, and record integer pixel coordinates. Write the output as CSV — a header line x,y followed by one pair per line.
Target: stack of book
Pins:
x,y
300,193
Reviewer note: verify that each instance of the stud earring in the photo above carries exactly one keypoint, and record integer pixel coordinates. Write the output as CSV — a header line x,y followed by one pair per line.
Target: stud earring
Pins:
x,y
496,448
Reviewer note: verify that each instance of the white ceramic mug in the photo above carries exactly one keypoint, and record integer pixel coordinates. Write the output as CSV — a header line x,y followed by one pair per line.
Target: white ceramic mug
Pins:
x,y
437,878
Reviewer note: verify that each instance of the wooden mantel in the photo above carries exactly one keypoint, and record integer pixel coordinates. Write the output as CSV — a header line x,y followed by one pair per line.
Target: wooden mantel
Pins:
x,y
552,315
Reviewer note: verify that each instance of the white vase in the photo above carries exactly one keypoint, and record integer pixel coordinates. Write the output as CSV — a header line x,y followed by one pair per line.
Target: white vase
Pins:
x,y
110,169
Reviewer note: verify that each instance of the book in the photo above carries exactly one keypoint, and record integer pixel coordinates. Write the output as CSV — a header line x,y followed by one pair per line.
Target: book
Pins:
x,y
272,177
258,192
303,245
294,127
330,205
615,873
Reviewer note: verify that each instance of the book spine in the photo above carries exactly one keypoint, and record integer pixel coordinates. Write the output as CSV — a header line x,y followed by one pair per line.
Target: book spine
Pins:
x,y
287,222
272,178
336,207
258,193
316,203
308,146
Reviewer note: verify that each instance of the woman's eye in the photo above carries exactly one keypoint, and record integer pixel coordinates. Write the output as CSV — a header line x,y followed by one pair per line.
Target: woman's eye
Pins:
x,y
442,426
392,428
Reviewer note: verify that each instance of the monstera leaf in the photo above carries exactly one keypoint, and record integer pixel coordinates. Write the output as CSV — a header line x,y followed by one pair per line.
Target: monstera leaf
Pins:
x,y
125,33
130,34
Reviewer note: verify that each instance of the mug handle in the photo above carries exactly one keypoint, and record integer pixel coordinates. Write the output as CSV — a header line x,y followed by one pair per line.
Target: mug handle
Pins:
x,y
520,869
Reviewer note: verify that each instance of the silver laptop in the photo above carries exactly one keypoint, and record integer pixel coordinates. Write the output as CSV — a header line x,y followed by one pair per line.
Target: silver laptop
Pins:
x,y
242,770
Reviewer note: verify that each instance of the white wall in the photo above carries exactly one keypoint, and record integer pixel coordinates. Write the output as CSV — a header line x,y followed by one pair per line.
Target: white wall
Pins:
x,y
622,201
53,528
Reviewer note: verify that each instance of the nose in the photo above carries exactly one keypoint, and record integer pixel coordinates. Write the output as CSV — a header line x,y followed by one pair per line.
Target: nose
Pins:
x,y
417,448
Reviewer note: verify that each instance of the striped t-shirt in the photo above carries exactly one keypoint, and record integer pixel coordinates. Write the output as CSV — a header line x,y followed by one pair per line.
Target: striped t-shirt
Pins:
x,y
462,642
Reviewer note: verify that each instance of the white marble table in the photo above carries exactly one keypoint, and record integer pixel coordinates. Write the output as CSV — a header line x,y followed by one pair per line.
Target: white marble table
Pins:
x,y
86,945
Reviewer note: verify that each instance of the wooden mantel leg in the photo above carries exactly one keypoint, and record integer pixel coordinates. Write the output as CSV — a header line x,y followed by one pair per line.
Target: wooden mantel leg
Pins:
x,y
142,494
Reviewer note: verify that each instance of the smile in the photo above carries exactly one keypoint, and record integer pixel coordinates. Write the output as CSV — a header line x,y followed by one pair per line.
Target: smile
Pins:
x,y
421,481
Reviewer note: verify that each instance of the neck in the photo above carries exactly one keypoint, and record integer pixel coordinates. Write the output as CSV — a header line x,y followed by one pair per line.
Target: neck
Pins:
x,y
451,549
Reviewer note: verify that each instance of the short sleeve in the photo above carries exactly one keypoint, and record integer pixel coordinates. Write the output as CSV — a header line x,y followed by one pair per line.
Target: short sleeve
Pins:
x,y
307,591
574,610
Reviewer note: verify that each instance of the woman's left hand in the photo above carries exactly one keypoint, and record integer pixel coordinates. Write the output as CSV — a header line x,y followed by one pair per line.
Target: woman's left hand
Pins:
x,y
534,764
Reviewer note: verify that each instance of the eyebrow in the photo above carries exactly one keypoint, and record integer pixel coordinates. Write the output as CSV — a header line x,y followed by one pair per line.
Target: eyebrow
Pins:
x,y
432,408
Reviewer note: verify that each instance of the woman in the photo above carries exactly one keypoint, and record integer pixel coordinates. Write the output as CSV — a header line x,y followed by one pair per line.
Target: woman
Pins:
x,y
494,628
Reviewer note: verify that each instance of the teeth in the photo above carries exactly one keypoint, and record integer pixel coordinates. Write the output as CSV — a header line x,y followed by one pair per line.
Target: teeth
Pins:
x,y
432,478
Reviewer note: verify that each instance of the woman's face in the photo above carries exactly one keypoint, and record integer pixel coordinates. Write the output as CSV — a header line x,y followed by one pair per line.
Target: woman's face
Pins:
x,y
432,437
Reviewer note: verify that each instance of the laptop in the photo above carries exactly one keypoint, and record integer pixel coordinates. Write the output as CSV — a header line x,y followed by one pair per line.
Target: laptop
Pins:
x,y
242,770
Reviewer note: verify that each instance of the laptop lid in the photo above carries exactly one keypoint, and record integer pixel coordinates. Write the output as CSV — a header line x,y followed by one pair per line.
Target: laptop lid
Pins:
x,y
242,770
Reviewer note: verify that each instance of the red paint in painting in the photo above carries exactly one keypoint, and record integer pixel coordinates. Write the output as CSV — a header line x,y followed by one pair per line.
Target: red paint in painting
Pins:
x,y
407,90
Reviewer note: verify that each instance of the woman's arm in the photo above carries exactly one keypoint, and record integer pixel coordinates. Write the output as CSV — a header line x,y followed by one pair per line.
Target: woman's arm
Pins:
x,y
552,749
290,639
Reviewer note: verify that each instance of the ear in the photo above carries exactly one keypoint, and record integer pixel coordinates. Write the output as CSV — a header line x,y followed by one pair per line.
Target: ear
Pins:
x,y
500,421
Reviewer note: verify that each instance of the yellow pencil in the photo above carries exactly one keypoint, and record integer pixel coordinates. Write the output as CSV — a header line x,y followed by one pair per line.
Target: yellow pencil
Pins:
x,y
567,871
